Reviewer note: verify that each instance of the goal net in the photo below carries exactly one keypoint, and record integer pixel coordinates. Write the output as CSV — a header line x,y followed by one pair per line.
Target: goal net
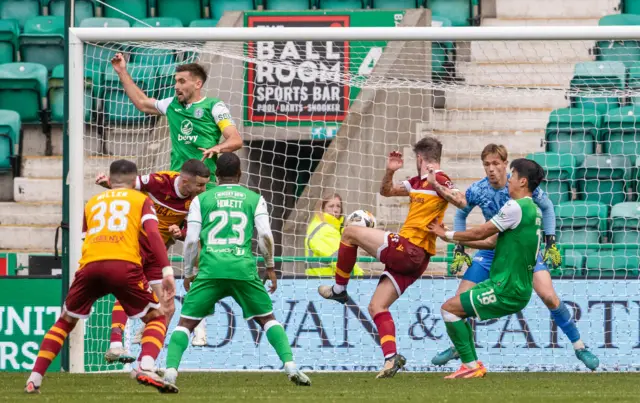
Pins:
x,y
319,117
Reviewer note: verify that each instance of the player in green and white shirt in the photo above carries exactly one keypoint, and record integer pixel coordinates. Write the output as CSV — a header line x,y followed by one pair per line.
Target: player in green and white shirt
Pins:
x,y
515,233
196,122
222,220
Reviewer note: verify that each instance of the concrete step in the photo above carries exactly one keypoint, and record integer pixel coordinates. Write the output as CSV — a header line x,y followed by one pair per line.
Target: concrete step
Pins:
x,y
502,98
470,145
531,51
34,166
34,140
522,75
523,22
47,190
504,121
28,237
546,9
43,213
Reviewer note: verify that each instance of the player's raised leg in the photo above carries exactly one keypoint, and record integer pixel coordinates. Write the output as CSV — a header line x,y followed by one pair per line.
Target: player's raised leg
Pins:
x,y
117,352
543,286
461,334
370,239
383,297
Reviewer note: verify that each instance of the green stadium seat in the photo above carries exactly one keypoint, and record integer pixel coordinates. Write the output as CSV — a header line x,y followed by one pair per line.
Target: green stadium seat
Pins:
x,y
184,10
218,7
159,22
203,23
117,107
603,178
22,89
135,8
396,4
285,5
597,83
581,222
620,132
19,10
55,95
572,261
573,131
631,6
9,138
342,4
43,41
9,32
155,57
619,263
633,80
625,223
442,53
559,170
83,9
458,11
618,51
97,58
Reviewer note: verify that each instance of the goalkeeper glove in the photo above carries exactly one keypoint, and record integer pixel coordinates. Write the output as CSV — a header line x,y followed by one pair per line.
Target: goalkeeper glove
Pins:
x,y
552,256
459,259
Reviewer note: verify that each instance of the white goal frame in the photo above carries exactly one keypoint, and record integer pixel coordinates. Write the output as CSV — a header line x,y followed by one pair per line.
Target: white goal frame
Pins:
x,y
78,36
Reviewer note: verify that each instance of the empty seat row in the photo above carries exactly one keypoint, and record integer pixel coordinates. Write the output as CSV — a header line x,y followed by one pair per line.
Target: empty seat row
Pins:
x,y
584,226
601,178
42,41
579,131
21,11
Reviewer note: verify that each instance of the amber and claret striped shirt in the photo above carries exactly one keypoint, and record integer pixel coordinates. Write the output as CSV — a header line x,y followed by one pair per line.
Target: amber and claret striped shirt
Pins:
x,y
425,206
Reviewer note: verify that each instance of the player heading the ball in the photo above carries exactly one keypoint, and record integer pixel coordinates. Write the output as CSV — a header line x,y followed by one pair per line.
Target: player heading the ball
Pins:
x,y
111,264
405,255
171,193
196,122
222,220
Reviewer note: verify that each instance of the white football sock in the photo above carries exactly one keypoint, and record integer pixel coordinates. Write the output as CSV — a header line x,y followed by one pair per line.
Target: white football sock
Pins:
x,y
578,345
337,288
115,344
472,364
36,378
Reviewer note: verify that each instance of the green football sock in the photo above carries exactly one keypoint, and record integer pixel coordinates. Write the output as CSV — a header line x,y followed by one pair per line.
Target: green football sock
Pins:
x,y
279,340
472,341
458,332
177,346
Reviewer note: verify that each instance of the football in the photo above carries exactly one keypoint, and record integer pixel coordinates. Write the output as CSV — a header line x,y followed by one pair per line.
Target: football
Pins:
x,y
361,218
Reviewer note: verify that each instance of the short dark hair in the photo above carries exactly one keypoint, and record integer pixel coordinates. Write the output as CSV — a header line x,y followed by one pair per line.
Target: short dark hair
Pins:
x,y
228,166
429,148
193,68
195,167
120,170
528,169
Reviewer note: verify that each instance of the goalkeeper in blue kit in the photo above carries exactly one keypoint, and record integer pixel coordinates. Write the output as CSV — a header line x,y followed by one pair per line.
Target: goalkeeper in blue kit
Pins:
x,y
491,194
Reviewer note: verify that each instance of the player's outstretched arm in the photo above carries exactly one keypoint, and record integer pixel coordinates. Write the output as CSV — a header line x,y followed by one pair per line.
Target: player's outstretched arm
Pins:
x,y
150,225
552,255
387,187
141,101
450,194
265,241
482,232
489,243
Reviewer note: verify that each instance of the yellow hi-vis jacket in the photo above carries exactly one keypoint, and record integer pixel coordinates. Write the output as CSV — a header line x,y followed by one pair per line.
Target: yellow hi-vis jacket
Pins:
x,y
323,240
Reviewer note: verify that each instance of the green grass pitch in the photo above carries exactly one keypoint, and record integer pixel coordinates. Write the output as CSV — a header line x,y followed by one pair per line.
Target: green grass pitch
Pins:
x,y
333,387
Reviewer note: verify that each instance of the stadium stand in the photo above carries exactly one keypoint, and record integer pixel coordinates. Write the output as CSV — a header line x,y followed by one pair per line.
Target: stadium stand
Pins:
x,y
135,8
10,140
43,41
284,5
9,32
186,11
83,9
19,10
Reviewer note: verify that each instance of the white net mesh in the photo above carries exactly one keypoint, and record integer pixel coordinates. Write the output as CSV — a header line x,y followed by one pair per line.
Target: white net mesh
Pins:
x,y
320,118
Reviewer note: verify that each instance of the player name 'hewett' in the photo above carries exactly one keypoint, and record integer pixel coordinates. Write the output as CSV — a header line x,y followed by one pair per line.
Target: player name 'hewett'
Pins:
x,y
229,203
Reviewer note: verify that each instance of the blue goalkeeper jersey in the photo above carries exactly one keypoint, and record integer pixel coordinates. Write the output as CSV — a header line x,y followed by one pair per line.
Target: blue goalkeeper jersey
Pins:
x,y
491,200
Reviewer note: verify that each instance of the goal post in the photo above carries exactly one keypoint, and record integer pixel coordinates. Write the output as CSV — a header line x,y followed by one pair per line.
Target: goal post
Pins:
x,y
506,85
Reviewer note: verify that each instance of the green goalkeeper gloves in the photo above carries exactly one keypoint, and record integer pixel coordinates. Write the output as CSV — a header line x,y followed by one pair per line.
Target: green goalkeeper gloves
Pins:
x,y
552,256
460,258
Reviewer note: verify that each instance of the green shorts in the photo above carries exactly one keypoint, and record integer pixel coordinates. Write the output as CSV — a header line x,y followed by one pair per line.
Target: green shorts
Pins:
x,y
482,302
205,293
